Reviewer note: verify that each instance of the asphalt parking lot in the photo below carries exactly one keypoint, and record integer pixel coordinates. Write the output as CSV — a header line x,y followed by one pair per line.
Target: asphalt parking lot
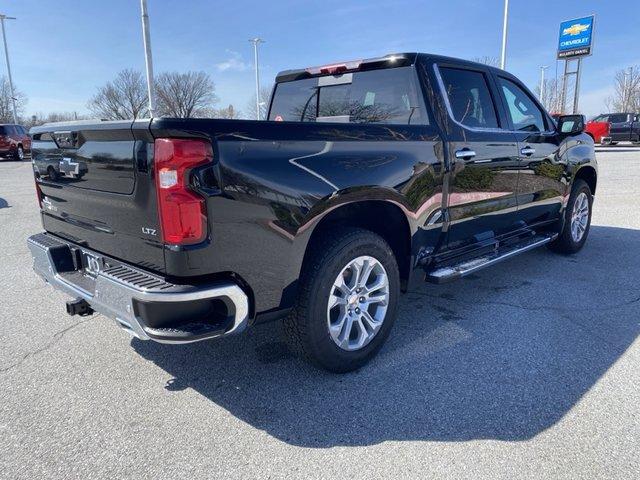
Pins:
x,y
530,369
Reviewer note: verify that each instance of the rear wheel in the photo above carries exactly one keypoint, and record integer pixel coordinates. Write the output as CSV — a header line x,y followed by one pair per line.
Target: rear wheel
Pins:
x,y
52,173
19,154
347,301
577,220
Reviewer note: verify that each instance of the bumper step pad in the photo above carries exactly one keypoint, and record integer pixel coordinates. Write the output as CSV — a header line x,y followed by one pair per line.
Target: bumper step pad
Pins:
x,y
119,290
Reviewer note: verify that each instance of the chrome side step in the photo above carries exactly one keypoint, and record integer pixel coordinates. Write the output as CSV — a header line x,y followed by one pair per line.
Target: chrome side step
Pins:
x,y
453,272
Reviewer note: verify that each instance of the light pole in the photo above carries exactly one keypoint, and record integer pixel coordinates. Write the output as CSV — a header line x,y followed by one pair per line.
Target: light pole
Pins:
x,y
6,54
505,22
148,59
255,42
542,69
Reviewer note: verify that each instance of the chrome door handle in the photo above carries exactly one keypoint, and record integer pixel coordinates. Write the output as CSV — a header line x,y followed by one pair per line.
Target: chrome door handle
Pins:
x,y
465,154
527,151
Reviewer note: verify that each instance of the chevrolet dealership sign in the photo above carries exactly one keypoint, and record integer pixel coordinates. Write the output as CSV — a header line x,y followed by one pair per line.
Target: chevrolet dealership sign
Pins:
x,y
576,37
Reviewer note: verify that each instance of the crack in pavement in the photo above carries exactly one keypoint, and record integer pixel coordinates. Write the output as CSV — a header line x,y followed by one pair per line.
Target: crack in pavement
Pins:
x,y
54,340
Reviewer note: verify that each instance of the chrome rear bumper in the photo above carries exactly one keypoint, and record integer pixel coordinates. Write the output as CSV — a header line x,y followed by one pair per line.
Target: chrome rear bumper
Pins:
x,y
119,290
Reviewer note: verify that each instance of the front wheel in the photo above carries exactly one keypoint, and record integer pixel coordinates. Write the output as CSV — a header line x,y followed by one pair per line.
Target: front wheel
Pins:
x,y
577,220
347,301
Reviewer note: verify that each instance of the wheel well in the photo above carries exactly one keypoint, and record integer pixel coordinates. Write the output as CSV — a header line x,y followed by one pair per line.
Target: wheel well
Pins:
x,y
588,174
380,217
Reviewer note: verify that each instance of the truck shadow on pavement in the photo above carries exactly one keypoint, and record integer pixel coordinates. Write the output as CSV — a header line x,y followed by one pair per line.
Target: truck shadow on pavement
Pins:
x,y
502,355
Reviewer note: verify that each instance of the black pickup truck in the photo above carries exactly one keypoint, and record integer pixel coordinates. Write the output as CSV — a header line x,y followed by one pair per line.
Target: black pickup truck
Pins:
x,y
623,127
367,176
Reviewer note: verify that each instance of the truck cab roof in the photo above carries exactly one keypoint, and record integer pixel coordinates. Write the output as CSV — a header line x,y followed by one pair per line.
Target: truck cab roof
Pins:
x,y
391,60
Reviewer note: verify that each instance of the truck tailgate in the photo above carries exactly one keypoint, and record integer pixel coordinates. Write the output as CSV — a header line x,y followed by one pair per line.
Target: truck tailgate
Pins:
x,y
96,188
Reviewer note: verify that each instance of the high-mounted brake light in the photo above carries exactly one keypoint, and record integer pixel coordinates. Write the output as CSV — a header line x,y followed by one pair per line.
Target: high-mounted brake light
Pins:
x,y
334,69
183,213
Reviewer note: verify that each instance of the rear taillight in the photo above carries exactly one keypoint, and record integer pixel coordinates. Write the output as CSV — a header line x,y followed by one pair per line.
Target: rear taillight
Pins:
x,y
38,193
183,213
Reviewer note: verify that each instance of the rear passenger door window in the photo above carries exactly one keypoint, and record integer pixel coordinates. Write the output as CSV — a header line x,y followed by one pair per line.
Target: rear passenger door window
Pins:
x,y
525,115
469,97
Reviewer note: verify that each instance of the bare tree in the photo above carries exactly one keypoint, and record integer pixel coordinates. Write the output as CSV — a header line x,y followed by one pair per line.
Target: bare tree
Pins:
x,y
123,98
626,96
227,112
552,93
6,108
487,60
185,95
39,118
265,96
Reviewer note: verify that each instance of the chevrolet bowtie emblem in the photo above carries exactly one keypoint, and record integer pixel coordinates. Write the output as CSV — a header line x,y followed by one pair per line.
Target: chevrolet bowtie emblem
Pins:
x,y
575,29
68,167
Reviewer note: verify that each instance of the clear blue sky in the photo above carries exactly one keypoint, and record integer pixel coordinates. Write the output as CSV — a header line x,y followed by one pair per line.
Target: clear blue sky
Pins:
x,y
61,50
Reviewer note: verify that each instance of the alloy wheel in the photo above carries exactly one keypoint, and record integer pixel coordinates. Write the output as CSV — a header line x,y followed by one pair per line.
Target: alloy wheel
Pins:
x,y
358,303
579,217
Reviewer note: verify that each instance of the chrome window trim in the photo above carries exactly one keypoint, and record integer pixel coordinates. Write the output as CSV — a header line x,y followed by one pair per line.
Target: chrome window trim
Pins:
x,y
443,93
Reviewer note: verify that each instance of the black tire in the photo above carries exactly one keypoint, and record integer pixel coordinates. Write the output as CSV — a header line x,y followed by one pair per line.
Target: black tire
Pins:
x,y
52,173
18,154
565,243
307,327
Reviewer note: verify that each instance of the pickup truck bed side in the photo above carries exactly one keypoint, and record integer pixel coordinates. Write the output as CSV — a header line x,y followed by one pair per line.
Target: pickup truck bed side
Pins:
x,y
263,217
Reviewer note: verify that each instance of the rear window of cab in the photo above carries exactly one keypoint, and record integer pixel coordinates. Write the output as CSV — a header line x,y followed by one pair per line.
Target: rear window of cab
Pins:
x,y
388,96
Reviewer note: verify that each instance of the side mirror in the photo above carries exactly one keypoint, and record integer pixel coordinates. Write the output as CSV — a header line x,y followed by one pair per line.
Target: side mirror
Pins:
x,y
571,124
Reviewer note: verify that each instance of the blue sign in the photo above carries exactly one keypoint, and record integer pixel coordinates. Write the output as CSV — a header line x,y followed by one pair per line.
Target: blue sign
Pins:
x,y
576,37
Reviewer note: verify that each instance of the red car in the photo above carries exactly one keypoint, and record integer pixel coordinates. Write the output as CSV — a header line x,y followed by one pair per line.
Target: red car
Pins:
x,y
598,128
14,141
